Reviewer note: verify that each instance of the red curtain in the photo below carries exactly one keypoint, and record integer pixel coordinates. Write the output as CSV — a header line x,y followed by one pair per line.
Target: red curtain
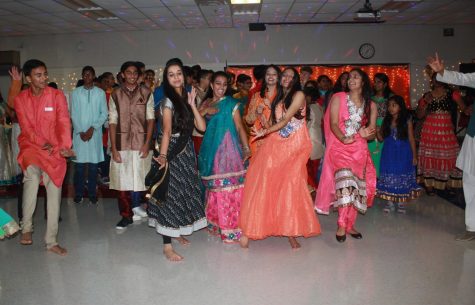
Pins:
x,y
399,75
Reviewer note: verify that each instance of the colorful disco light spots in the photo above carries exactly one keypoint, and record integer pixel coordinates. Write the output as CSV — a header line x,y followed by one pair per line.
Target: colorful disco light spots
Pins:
x,y
349,53
188,53
171,44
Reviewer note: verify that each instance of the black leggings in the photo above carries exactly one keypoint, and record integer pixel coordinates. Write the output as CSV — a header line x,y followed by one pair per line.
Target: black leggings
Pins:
x,y
166,239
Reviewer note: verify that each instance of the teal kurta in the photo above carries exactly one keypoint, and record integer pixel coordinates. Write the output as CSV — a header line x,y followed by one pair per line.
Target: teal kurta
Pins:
x,y
88,108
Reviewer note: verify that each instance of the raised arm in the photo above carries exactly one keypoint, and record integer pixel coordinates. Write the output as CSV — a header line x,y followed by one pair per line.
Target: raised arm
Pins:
x,y
450,77
15,86
199,121
298,101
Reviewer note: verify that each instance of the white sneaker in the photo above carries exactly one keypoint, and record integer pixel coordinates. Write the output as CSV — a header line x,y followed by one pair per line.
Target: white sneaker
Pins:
x,y
136,218
140,212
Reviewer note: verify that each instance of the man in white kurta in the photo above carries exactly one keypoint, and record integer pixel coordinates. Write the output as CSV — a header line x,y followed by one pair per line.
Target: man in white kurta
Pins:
x,y
131,120
88,114
466,158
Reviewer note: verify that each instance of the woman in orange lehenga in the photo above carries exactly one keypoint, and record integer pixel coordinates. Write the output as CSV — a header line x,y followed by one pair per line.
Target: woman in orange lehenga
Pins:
x,y
276,201
259,110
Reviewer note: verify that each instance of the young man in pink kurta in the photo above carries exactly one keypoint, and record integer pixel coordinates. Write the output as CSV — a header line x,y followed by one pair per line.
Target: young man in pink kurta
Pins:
x,y
45,142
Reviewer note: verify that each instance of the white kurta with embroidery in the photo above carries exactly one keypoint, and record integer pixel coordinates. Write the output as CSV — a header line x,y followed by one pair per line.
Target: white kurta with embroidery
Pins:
x,y
129,175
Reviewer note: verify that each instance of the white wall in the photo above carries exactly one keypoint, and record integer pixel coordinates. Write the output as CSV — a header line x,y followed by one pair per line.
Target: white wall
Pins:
x,y
312,44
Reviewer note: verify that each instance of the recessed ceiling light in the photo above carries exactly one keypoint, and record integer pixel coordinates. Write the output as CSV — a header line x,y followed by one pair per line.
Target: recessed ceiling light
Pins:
x,y
107,18
245,1
92,8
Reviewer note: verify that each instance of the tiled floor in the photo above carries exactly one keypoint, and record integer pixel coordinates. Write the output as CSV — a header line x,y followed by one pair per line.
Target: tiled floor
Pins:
x,y
403,259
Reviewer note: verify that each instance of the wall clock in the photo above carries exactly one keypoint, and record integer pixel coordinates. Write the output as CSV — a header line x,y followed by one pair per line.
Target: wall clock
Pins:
x,y
367,50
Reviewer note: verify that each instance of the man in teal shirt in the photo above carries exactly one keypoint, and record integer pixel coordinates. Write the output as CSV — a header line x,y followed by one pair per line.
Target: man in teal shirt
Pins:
x,y
88,114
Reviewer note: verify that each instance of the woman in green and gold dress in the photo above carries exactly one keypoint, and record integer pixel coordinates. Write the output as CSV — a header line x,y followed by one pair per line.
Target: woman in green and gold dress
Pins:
x,y
382,92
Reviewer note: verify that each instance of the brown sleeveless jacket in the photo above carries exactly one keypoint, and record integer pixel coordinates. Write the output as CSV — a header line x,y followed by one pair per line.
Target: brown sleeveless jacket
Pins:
x,y
132,117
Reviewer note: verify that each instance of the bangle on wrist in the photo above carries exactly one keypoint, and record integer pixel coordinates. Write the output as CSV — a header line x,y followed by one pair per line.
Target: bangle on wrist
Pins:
x,y
162,156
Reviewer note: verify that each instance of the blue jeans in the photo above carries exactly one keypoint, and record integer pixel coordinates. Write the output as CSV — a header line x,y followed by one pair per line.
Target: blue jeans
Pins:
x,y
79,180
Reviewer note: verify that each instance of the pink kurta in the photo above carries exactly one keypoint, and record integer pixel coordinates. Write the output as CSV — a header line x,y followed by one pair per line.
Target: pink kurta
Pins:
x,y
43,119
345,166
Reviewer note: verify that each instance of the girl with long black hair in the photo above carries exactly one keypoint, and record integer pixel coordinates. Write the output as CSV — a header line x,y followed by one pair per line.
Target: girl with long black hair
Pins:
x,y
276,199
182,210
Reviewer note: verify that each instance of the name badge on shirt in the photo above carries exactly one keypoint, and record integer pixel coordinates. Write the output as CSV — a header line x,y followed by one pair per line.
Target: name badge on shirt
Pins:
x,y
48,109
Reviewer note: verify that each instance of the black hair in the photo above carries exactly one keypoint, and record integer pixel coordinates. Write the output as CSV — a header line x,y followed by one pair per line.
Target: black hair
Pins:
x,y
242,78
195,70
288,97
306,69
259,72
311,83
187,71
312,92
321,77
366,92
264,84
338,87
106,74
182,110
385,79
88,68
213,78
231,75
202,73
401,121
150,71
53,85
32,64
128,64
140,65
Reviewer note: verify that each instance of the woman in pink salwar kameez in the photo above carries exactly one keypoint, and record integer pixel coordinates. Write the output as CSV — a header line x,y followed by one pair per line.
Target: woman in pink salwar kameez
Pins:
x,y
348,181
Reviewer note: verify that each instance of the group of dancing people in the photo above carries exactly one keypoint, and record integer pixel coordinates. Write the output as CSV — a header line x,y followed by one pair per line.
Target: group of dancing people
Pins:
x,y
242,164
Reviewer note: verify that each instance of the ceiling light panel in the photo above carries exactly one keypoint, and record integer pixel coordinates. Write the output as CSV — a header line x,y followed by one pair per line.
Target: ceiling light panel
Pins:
x,y
146,3
233,2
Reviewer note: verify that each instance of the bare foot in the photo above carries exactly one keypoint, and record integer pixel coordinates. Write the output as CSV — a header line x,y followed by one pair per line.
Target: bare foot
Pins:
x,y
26,239
183,241
244,242
294,243
170,254
58,250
